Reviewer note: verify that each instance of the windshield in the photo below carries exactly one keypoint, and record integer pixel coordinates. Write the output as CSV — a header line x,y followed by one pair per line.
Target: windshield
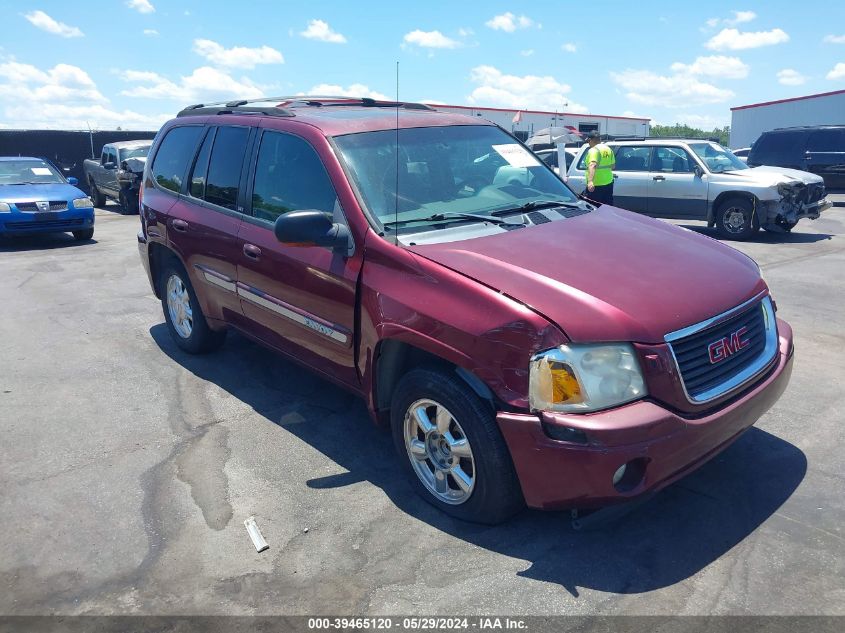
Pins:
x,y
134,152
28,171
471,169
717,158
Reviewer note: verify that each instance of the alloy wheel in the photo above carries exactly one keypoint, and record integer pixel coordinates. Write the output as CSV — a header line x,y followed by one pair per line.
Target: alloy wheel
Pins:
x,y
179,306
439,451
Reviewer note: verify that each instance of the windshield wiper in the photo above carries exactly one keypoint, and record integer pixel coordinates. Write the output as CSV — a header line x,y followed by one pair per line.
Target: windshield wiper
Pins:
x,y
534,205
441,217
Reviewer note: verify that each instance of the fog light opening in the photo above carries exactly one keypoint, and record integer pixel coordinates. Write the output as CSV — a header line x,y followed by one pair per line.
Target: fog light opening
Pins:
x,y
565,433
630,475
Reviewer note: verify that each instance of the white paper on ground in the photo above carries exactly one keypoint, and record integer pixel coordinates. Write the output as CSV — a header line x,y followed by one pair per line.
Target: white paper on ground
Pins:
x,y
517,155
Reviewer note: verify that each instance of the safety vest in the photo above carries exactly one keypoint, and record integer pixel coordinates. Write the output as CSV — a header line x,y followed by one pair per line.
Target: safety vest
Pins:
x,y
605,162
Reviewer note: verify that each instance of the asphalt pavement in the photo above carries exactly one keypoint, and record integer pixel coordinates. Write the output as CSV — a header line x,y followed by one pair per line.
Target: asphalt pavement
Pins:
x,y
128,468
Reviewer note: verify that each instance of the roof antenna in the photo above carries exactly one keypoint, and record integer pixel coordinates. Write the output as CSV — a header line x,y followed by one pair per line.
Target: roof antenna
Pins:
x,y
396,191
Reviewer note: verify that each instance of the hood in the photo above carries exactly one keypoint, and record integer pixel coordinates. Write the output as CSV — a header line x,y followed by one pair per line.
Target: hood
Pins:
x,y
608,275
771,176
41,192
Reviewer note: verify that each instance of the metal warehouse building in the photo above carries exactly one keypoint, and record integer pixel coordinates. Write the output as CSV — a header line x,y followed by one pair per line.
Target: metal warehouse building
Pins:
x,y
535,120
749,121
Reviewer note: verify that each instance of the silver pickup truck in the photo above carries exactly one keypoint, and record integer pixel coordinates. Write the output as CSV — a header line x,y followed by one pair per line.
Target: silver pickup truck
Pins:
x,y
116,174
696,179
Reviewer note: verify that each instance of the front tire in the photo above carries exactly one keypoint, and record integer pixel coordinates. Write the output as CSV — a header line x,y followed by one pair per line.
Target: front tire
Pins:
x,y
84,235
736,219
183,315
452,449
128,203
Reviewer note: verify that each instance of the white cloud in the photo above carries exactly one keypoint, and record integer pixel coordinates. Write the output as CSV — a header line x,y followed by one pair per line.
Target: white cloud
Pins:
x,y
430,39
569,47
238,56
41,20
203,85
150,32
646,87
527,52
790,77
321,31
734,40
141,6
62,97
838,71
834,39
509,22
740,17
465,32
353,90
714,66
63,82
528,92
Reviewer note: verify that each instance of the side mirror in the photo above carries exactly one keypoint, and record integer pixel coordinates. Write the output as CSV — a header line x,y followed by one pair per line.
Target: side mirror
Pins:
x,y
109,165
72,181
312,228
696,169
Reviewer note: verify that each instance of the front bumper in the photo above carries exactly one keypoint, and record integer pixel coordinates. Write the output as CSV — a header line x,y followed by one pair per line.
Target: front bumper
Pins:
x,y
666,446
49,222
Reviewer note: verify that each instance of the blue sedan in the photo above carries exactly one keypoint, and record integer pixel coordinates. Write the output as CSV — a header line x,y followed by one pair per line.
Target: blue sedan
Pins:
x,y
36,198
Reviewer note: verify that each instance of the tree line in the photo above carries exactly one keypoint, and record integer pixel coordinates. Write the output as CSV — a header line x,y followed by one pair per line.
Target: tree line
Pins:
x,y
686,131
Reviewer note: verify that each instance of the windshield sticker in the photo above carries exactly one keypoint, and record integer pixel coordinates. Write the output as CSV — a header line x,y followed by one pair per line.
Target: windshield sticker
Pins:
x,y
517,155
40,171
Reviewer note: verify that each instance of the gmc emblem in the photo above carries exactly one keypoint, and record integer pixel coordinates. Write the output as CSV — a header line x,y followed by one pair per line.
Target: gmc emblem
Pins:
x,y
728,346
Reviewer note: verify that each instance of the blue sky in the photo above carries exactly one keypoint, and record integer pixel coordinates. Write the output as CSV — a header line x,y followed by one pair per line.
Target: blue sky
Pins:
x,y
134,63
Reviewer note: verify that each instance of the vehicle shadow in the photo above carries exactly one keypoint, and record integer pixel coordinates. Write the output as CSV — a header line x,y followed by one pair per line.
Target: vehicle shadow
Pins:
x,y
673,536
762,237
41,242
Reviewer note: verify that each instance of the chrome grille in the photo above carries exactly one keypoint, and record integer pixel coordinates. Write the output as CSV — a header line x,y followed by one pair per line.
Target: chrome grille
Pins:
x,y
55,205
709,375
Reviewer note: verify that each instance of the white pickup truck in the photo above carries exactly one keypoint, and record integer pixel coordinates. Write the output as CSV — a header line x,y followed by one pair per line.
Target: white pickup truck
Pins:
x,y
116,174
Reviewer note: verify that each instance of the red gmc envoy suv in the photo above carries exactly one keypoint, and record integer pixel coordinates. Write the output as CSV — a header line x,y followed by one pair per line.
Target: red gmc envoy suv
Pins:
x,y
524,346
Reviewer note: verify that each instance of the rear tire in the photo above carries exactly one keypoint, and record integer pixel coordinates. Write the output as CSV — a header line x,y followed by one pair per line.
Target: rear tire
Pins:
x,y
182,312
736,219
452,449
84,235
97,198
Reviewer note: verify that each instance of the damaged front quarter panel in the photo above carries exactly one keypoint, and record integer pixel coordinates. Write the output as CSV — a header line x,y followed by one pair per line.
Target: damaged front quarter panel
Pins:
x,y
796,200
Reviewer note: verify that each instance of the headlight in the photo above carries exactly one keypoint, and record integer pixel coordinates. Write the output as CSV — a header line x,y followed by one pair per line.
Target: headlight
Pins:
x,y
4,207
83,203
583,378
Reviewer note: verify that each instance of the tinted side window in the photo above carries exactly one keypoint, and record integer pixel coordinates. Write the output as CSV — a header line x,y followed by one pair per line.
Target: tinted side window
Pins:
x,y
198,177
632,158
224,168
778,148
173,156
289,176
829,140
671,160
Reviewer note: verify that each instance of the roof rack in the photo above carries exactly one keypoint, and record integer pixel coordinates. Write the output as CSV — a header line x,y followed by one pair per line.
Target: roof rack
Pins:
x,y
714,139
284,105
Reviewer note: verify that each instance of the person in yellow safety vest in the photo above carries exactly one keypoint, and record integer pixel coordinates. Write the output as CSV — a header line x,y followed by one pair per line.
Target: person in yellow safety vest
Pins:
x,y
600,164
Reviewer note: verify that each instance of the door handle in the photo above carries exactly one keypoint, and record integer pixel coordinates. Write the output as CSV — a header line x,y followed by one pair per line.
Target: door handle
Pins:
x,y
659,178
252,251
179,225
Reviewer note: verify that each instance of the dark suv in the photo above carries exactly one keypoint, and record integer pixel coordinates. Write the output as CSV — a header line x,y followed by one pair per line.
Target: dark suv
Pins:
x,y
524,346
819,150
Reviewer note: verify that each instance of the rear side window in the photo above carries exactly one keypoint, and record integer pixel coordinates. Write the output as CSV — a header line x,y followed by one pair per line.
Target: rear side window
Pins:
x,y
200,173
778,148
289,176
828,140
224,167
632,158
173,155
